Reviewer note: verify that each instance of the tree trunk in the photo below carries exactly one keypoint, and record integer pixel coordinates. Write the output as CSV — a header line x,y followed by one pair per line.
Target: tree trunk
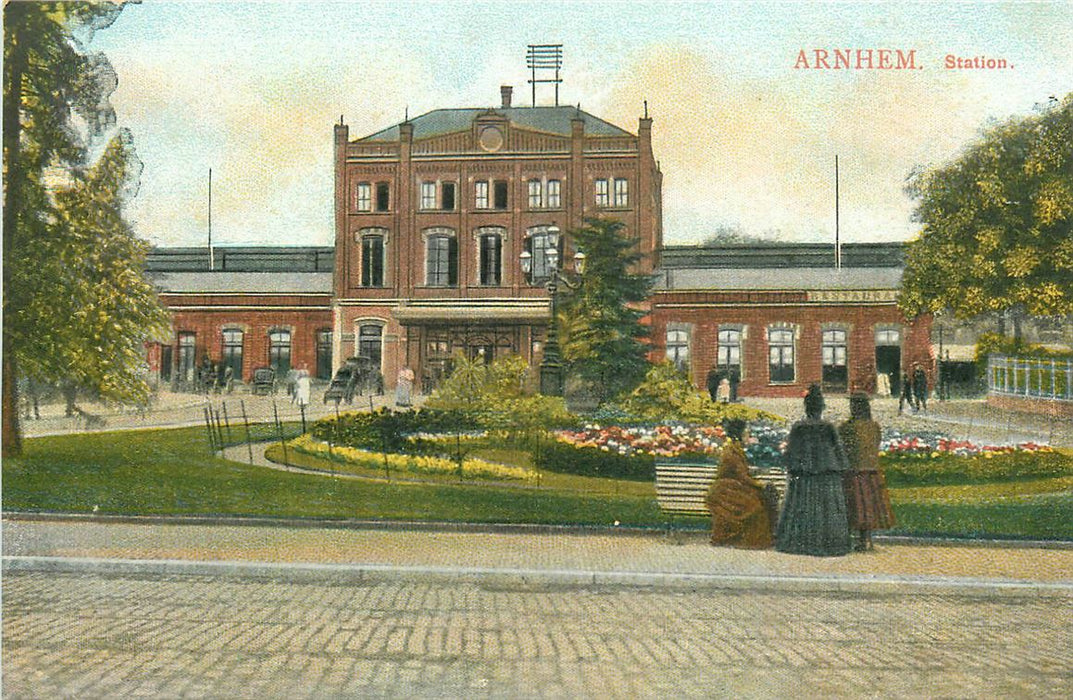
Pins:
x,y
11,436
14,68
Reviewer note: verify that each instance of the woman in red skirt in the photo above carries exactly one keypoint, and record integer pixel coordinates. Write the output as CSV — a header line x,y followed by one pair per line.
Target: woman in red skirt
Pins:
x,y
867,500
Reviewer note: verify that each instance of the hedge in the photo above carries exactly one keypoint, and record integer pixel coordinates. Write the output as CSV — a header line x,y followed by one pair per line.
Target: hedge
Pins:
x,y
555,456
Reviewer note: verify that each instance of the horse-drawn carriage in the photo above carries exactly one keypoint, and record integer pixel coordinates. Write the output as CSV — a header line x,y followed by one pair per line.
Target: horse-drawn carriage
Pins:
x,y
355,376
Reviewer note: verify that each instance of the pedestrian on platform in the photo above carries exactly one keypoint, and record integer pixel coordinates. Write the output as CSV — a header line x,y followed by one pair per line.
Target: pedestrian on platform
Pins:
x,y
303,384
867,499
920,387
713,379
722,393
813,519
404,387
740,507
906,394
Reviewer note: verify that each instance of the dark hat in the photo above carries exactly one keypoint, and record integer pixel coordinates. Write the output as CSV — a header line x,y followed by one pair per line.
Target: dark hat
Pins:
x,y
859,406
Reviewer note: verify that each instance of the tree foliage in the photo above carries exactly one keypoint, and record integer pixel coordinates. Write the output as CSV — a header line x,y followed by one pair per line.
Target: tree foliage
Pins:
x,y
997,231
494,397
76,304
601,333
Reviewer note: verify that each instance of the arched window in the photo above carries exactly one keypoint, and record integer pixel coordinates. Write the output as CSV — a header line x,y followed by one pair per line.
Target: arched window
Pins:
x,y
370,342
539,240
279,351
781,354
324,353
729,353
678,348
491,259
833,352
232,351
441,259
372,260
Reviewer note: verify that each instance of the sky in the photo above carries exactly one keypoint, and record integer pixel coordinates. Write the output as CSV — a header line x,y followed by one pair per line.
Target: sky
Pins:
x,y
746,140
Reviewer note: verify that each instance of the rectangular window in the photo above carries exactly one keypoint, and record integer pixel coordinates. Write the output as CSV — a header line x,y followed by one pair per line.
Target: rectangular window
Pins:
x,y
369,344
833,354
232,354
428,195
187,357
622,192
678,349
781,355
372,261
553,194
480,194
442,261
447,200
324,354
535,194
491,252
383,196
602,199
729,354
279,351
501,194
540,266
364,198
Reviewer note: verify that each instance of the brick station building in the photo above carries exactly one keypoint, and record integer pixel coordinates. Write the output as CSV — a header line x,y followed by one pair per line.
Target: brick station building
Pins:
x,y
249,308
432,219
781,316
433,215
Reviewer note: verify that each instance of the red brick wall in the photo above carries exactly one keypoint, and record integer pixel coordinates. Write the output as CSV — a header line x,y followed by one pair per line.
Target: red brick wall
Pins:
x,y
303,319
808,320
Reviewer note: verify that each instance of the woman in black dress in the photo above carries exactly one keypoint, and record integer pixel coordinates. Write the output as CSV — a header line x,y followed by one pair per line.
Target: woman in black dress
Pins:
x,y
814,519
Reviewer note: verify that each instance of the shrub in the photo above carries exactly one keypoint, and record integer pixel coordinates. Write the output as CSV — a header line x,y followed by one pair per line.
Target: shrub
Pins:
x,y
389,431
493,397
563,458
666,395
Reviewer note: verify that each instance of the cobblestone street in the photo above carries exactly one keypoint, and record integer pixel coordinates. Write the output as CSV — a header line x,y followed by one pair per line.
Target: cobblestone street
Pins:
x,y
75,635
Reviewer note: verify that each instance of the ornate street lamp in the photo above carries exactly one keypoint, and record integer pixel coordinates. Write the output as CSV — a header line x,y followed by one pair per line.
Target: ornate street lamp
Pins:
x,y
551,366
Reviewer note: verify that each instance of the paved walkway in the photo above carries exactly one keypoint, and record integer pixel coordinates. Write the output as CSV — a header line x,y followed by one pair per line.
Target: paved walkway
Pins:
x,y
120,635
518,553
172,410
257,611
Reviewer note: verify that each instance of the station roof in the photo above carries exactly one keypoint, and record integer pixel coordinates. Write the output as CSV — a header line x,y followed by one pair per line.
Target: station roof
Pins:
x,y
242,282
553,120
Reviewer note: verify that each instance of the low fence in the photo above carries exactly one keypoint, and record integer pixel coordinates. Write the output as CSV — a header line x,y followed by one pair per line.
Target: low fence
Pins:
x,y
227,424
1030,377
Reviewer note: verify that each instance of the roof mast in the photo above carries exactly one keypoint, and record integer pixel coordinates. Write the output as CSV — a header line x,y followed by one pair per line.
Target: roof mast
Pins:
x,y
545,58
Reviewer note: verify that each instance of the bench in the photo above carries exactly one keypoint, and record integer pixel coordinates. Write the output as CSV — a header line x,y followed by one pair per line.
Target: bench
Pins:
x,y
683,487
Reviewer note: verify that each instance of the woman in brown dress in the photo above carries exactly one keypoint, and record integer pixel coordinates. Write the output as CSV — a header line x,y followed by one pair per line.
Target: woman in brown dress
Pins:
x,y
867,500
737,502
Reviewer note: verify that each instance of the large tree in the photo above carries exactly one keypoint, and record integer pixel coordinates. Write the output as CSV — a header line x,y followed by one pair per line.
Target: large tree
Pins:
x,y
600,322
77,306
997,233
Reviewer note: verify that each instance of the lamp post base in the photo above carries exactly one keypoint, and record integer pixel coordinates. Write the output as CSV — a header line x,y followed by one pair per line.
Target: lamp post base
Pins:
x,y
551,378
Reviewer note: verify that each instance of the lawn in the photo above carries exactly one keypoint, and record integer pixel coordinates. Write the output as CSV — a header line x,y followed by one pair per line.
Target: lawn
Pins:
x,y
159,472
156,472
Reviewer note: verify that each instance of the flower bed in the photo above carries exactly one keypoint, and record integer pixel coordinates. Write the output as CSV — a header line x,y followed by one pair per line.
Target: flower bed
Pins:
x,y
413,464
656,441
931,444
765,444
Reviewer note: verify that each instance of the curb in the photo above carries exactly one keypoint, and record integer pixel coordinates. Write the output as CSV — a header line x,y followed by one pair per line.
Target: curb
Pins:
x,y
371,573
700,532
